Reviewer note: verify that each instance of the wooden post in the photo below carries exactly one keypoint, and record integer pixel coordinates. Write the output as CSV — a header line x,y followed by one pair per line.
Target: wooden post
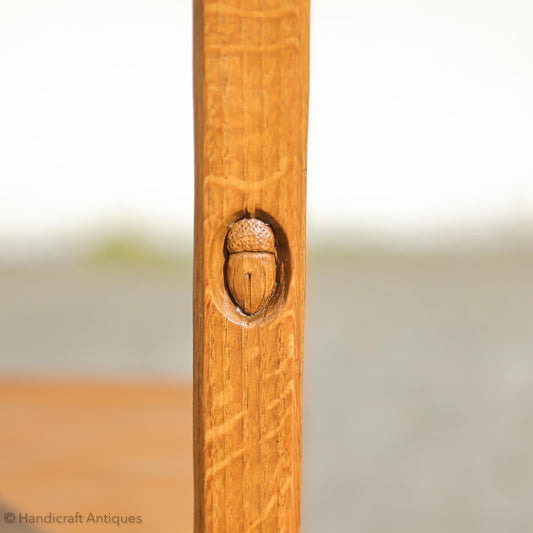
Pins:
x,y
251,100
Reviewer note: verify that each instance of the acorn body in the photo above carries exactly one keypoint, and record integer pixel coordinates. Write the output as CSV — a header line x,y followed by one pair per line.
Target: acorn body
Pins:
x,y
251,265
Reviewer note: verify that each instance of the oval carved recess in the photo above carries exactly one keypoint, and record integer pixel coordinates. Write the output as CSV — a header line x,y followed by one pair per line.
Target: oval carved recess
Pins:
x,y
251,265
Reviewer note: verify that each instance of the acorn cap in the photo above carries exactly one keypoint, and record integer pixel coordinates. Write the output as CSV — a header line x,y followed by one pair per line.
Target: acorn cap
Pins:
x,y
250,235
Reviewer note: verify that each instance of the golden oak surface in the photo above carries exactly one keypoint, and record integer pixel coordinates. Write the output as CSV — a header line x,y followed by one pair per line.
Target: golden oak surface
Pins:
x,y
251,100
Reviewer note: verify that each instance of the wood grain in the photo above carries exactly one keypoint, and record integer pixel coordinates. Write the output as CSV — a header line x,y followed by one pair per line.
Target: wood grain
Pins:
x,y
251,99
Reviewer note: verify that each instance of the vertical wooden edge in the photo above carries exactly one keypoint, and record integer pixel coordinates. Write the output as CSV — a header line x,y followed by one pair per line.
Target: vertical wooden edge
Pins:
x,y
293,217
198,275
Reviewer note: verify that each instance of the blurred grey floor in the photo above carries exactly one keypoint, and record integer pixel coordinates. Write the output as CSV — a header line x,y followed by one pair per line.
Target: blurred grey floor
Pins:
x,y
418,377
94,321
419,396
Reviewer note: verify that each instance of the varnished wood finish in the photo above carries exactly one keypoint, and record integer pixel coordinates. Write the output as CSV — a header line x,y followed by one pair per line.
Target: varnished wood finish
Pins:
x,y
251,95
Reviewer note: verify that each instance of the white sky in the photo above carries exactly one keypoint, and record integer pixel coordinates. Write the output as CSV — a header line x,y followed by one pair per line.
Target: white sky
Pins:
x,y
421,115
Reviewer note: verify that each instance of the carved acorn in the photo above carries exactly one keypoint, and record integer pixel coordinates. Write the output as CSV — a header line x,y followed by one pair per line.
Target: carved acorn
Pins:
x,y
251,266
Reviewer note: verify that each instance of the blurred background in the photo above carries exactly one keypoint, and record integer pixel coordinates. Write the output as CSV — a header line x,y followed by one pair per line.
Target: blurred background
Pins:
x,y
419,346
